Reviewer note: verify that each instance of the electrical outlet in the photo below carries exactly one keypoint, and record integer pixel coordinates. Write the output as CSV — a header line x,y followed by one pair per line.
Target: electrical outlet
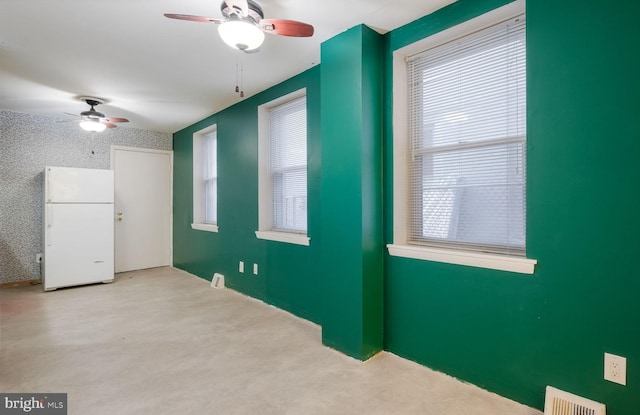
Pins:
x,y
241,266
38,258
615,368
255,269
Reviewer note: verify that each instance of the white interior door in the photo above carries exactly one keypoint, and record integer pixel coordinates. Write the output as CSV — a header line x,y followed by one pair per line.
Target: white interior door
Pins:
x,y
143,192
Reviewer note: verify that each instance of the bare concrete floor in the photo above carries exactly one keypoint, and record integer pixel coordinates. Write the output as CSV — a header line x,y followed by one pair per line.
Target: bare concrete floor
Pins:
x,y
162,341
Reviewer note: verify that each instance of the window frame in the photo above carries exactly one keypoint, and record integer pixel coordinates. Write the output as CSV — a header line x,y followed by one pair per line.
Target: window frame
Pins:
x,y
265,184
401,246
199,194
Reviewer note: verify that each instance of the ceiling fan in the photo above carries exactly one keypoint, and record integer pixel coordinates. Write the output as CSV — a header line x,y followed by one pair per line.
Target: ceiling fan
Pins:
x,y
93,120
244,25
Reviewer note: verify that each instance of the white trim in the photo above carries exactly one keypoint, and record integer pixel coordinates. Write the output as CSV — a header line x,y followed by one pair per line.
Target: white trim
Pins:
x,y
302,92
292,238
204,227
138,149
198,209
400,151
265,184
476,24
473,259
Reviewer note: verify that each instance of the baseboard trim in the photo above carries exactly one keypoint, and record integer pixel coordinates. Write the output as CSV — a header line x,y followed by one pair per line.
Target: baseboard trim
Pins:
x,y
20,283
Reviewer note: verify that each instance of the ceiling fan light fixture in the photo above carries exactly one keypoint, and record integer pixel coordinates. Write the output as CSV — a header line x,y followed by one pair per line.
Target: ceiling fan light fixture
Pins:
x,y
92,125
240,34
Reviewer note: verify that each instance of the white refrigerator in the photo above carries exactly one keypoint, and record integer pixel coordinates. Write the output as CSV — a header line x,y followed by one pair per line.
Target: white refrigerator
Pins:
x,y
78,222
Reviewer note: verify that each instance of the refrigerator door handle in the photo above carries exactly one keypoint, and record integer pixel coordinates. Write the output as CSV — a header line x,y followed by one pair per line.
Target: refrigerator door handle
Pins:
x,y
49,225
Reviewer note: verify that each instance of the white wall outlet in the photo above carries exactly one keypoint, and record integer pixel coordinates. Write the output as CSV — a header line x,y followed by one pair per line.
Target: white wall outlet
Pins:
x,y
255,269
38,258
615,368
241,266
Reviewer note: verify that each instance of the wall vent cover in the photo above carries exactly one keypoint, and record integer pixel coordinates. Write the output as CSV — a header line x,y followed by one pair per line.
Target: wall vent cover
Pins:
x,y
559,402
217,281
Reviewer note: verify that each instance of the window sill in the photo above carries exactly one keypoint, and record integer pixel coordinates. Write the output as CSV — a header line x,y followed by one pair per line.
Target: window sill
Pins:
x,y
287,237
472,259
204,227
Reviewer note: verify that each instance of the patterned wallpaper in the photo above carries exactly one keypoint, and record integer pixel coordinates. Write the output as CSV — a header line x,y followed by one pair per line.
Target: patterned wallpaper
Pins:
x,y
30,142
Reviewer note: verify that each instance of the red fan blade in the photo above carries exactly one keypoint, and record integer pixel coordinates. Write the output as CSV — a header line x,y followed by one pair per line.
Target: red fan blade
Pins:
x,y
108,124
112,120
286,27
240,5
192,18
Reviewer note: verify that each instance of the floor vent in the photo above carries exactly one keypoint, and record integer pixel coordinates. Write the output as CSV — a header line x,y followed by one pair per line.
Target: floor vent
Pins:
x,y
558,402
217,281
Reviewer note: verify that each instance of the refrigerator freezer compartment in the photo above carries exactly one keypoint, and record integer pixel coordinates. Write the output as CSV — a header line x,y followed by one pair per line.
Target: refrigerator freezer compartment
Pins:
x,y
72,185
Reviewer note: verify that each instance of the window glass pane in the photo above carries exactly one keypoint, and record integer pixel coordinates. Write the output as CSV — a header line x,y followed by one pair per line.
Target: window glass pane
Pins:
x,y
290,200
288,143
210,156
473,196
210,188
471,90
211,201
289,135
467,105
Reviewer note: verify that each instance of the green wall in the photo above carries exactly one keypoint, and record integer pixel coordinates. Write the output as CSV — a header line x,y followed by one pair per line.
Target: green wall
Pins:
x,y
351,191
511,333
289,275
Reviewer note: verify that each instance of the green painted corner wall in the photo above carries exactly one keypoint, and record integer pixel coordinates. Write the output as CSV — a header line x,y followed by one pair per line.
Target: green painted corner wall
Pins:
x,y
351,191
289,276
514,334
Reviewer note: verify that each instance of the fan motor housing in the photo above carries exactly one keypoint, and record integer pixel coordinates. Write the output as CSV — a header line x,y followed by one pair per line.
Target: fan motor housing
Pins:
x,y
92,114
255,11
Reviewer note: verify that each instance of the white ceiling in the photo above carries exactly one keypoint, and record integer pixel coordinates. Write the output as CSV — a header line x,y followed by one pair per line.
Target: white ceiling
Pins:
x,y
161,74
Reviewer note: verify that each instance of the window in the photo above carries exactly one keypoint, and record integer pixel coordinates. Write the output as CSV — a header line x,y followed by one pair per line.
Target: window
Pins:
x,y
283,169
465,149
205,180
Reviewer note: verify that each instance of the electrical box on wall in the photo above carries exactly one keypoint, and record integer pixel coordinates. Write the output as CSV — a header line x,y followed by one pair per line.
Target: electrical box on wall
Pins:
x,y
615,368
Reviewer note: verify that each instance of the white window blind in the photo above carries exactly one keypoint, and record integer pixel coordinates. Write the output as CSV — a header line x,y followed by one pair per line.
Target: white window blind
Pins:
x,y
467,132
288,162
210,177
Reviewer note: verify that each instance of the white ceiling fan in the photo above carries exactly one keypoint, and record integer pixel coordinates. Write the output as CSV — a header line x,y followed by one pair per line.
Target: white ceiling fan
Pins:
x,y
243,26
93,120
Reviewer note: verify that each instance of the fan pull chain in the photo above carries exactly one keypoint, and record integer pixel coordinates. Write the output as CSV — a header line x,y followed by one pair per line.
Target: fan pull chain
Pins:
x,y
241,81
239,76
237,71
